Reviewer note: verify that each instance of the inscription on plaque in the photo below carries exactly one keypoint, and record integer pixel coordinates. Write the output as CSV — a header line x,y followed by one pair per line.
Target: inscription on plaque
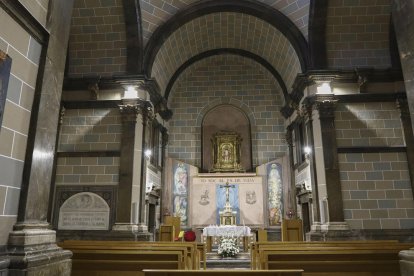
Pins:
x,y
84,211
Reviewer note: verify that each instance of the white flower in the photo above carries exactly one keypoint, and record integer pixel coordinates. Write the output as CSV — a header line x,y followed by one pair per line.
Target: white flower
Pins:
x,y
228,246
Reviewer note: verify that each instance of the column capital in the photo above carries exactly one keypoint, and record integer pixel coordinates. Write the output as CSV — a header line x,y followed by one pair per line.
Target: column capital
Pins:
x,y
130,108
326,106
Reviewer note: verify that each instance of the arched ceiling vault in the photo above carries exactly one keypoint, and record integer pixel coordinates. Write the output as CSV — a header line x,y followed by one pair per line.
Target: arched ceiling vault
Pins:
x,y
284,49
225,51
156,12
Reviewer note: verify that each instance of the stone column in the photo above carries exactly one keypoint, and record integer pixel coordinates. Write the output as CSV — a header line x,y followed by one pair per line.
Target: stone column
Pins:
x,y
402,14
308,111
408,135
146,115
130,213
326,106
32,245
292,195
125,204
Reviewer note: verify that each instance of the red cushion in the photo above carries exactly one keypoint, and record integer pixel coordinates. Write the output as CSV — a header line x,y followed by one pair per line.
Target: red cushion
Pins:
x,y
189,236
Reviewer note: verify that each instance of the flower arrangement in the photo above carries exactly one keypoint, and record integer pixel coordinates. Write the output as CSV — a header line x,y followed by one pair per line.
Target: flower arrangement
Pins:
x,y
228,247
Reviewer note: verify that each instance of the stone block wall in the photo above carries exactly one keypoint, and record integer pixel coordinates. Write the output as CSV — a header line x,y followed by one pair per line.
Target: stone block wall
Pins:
x,y
231,80
25,53
368,124
357,33
97,43
376,191
90,130
38,8
87,171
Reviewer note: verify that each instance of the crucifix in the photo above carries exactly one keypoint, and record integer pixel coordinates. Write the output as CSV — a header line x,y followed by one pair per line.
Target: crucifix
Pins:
x,y
227,206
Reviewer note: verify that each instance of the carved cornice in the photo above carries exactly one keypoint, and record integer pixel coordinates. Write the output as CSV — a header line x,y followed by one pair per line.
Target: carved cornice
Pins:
x,y
359,76
120,82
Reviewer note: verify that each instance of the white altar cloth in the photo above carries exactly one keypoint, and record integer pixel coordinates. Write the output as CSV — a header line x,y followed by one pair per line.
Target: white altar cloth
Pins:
x,y
226,230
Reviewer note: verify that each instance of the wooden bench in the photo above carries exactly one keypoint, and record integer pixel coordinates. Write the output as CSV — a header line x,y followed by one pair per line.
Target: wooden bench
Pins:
x,y
202,253
258,246
332,258
140,255
290,272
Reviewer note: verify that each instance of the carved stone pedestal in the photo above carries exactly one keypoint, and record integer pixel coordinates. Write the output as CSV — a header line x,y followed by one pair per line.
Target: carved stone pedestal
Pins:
x,y
407,262
34,252
4,264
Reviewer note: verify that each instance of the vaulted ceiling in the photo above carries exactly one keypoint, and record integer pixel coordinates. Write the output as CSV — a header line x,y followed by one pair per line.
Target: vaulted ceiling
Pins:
x,y
159,39
157,12
226,30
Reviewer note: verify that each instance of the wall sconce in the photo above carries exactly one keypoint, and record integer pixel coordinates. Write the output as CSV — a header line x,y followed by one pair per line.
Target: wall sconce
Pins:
x,y
307,150
148,153
324,88
130,92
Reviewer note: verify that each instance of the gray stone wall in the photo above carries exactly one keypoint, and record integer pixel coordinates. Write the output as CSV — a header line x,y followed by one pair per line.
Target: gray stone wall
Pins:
x,y
97,43
357,33
376,191
231,80
87,171
90,130
376,187
368,124
25,53
38,8
86,130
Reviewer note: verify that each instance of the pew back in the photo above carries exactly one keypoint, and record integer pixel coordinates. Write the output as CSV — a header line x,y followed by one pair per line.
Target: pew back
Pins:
x,y
139,254
293,272
331,258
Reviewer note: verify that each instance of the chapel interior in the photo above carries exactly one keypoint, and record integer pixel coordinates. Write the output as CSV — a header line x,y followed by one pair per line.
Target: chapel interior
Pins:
x,y
206,137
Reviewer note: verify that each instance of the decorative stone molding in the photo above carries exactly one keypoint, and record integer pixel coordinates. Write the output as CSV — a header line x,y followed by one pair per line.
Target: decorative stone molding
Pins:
x,y
326,106
362,77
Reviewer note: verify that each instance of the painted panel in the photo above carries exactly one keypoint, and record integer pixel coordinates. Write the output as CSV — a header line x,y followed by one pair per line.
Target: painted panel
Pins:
x,y
180,192
275,192
5,65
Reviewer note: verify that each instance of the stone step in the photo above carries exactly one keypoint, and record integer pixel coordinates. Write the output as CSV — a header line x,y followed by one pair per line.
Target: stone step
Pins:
x,y
240,261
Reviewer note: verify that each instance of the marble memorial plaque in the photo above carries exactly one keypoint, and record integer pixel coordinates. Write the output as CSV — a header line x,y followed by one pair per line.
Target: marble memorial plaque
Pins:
x,y
84,211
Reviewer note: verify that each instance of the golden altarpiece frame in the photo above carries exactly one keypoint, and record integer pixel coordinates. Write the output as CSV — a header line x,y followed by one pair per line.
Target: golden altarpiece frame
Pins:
x,y
226,152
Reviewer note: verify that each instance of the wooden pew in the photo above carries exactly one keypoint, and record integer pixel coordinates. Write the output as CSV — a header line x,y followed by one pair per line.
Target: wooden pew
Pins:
x,y
202,251
258,246
285,272
332,258
84,251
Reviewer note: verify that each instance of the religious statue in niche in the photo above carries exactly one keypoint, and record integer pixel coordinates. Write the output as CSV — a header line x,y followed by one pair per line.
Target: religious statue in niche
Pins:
x,y
274,182
226,149
180,193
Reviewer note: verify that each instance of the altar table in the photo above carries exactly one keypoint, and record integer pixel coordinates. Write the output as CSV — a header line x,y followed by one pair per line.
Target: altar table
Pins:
x,y
224,231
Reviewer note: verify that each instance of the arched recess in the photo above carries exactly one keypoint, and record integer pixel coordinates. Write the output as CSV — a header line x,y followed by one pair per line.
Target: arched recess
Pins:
x,y
224,51
256,9
226,117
